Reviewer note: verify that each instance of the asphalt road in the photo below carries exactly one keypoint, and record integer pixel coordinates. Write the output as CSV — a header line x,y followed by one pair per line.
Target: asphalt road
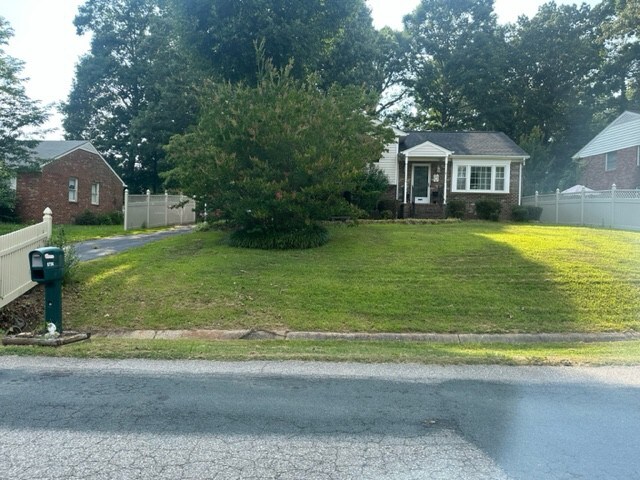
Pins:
x,y
92,249
81,419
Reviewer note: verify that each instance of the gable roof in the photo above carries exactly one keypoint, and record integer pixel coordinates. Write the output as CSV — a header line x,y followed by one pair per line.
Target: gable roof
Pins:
x,y
52,149
623,132
467,143
47,151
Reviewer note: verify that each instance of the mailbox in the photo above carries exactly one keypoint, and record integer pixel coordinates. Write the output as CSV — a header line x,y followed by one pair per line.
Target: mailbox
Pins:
x,y
47,264
47,267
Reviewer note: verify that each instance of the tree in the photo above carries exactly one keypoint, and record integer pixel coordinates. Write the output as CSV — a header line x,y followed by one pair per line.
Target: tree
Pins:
x,y
458,66
17,112
133,90
276,158
333,38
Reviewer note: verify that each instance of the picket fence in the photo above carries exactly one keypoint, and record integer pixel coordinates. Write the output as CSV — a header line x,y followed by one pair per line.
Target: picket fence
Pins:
x,y
157,210
15,274
615,208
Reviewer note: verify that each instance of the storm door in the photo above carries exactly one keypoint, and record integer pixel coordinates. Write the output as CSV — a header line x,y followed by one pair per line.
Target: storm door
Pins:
x,y
420,184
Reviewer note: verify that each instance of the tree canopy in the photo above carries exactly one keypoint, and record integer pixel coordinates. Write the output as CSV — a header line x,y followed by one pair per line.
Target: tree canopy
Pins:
x,y
17,112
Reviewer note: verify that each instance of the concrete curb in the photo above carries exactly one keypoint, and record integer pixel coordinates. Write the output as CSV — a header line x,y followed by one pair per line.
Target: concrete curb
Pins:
x,y
452,338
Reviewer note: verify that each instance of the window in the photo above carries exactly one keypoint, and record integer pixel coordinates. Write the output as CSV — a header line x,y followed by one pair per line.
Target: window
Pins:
x,y
95,194
461,183
610,161
499,180
73,189
480,178
488,178
638,157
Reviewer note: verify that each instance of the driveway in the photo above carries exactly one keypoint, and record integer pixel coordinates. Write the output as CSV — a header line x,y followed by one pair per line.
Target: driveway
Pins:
x,y
92,249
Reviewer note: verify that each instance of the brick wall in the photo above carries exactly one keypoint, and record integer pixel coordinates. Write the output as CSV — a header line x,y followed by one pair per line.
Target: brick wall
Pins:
x,y
50,188
626,174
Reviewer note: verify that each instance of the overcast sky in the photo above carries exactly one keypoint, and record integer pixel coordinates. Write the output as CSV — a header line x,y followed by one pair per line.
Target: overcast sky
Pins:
x,y
46,41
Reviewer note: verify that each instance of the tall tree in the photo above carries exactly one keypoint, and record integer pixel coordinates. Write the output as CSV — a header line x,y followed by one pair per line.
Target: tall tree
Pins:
x,y
17,112
123,96
556,56
458,65
334,38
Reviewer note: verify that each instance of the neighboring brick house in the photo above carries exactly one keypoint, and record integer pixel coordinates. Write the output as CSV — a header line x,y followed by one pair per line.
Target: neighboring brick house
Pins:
x,y
613,156
427,169
69,177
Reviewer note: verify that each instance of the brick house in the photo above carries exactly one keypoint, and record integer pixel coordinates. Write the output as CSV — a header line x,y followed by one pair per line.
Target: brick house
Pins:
x,y
427,169
69,177
613,156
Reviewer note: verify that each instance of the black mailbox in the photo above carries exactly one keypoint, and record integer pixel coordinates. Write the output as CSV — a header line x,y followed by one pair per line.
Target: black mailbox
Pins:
x,y
47,264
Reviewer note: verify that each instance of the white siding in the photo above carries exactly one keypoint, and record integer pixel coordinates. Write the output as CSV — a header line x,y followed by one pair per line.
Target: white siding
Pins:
x,y
426,149
624,132
389,162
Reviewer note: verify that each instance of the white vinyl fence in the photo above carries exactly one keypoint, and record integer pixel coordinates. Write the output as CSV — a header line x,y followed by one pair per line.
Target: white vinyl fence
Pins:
x,y
157,210
15,273
613,208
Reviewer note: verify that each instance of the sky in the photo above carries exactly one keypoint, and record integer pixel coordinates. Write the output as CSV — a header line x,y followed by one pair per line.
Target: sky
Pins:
x,y
46,41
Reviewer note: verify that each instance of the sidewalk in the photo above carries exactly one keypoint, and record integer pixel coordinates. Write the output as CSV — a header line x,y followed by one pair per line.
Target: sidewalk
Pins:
x,y
463,338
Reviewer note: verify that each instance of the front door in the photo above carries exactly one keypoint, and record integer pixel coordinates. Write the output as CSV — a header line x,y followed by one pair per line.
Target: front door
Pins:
x,y
420,184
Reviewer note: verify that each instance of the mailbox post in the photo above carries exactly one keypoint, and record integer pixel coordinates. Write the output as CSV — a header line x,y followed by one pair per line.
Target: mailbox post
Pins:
x,y
47,267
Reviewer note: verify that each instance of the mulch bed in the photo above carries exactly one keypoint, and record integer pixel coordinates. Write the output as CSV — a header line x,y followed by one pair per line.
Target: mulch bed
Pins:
x,y
25,314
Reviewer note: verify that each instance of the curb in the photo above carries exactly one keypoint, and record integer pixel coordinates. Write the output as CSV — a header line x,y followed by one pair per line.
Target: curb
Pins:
x,y
451,338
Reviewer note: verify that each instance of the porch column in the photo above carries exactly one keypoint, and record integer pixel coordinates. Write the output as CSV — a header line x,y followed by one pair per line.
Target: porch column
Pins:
x,y
519,186
406,177
446,171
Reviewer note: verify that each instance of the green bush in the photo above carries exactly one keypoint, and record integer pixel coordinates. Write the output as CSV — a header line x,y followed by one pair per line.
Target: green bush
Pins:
x,y
89,218
313,236
519,213
456,209
488,209
533,213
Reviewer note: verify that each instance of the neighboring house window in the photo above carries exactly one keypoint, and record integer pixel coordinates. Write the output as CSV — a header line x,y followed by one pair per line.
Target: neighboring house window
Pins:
x,y
638,157
487,178
611,160
73,189
13,183
95,194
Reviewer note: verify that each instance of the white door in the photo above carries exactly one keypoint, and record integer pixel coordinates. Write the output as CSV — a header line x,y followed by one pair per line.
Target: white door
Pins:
x,y
420,184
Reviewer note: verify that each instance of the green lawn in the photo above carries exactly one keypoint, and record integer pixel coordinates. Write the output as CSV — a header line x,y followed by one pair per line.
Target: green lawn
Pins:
x,y
458,277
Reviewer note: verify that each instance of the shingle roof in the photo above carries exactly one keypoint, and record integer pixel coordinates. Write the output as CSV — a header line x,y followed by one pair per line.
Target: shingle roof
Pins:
x,y
50,149
467,143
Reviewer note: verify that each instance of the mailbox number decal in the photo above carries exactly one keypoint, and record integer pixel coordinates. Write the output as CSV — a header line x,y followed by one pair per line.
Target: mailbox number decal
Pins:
x,y
49,256
51,264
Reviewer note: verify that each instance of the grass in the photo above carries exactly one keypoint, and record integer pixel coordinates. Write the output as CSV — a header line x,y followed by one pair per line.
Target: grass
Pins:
x,y
622,353
458,277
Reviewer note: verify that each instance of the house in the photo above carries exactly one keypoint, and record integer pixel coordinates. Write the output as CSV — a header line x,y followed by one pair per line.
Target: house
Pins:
x,y
428,169
613,156
69,177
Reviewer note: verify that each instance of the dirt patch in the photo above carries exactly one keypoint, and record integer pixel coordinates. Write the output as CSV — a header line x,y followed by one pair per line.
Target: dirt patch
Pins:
x,y
24,314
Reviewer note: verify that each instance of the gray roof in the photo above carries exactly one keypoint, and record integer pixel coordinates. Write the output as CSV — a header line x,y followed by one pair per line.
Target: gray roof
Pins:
x,y
51,149
467,143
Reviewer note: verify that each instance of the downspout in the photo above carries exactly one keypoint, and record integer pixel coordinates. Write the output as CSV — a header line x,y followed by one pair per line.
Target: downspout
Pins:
x,y
406,178
446,174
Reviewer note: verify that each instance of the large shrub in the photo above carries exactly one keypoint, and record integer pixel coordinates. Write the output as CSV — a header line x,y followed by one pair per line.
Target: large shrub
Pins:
x,y
275,159
456,209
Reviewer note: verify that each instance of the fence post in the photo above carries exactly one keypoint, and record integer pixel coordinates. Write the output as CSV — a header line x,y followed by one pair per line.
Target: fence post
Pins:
x,y
47,218
126,209
148,207
582,205
166,208
613,205
557,204
536,201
